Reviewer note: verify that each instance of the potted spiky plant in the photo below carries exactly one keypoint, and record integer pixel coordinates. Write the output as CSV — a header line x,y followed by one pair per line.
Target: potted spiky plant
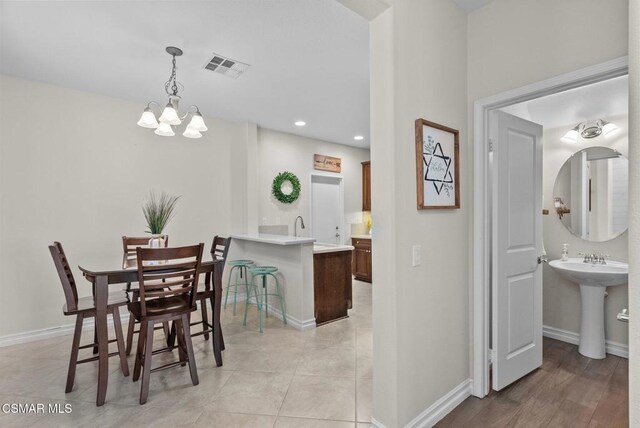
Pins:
x,y
158,210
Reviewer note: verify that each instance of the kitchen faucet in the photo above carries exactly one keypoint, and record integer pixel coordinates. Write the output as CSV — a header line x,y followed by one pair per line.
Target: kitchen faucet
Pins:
x,y
295,225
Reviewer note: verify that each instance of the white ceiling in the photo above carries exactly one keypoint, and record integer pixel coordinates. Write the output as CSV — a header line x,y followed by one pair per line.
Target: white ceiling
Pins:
x,y
568,108
309,58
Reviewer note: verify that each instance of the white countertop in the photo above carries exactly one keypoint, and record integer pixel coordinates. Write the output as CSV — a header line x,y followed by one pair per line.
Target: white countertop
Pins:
x,y
330,248
273,239
360,236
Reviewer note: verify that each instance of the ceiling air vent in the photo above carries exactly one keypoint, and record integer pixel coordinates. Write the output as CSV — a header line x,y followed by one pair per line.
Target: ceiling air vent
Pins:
x,y
227,66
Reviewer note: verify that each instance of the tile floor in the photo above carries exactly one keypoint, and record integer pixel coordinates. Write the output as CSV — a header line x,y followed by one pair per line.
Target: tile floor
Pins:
x,y
281,378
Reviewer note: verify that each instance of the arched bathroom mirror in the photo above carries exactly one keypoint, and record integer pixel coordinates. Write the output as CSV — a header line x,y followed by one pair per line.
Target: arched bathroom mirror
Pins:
x,y
591,194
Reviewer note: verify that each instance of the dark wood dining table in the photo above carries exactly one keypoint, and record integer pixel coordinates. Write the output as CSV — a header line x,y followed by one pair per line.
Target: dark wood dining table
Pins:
x,y
101,279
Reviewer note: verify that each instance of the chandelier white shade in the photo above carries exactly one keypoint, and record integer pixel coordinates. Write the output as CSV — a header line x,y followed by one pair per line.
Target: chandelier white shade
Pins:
x,y
164,130
590,129
197,123
170,116
148,119
191,133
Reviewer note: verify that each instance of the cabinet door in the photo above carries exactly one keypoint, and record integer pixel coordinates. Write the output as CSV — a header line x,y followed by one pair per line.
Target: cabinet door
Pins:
x,y
361,255
369,275
366,186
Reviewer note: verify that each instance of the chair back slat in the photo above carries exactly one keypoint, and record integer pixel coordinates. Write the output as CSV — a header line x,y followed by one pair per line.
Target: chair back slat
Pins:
x,y
220,248
65,274
179,268
130,243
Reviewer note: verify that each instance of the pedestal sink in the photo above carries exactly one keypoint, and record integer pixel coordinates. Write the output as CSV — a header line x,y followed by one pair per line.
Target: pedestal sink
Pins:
x,y
594,280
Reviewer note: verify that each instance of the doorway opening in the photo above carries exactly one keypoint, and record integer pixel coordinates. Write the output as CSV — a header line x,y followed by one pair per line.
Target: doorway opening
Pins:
x,y
491,202
327,208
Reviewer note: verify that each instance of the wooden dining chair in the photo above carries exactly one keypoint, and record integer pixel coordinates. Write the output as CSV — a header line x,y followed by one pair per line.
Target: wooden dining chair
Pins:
x,y
129,245
85,308
171,300
219,250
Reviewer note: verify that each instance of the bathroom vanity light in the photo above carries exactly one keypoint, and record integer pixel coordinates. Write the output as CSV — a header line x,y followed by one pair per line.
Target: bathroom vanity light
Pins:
x,y
170,117
590,129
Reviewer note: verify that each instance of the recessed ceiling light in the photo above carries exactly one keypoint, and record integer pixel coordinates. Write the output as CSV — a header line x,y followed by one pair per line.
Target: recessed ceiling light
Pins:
x,y
300,123
358,138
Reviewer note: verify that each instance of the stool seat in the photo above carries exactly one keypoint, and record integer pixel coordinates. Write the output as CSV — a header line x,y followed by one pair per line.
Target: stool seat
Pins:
x,y
263,269
240,262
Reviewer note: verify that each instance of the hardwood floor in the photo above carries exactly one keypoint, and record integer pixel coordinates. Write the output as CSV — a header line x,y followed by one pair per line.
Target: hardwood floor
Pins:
x,y
569,390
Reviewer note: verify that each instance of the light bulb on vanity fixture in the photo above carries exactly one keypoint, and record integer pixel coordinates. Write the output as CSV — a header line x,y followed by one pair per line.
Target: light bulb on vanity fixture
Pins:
x,y
571,136
590,129
170,116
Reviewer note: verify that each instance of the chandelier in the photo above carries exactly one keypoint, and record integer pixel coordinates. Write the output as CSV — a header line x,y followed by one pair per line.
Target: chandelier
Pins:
x,y
590,129
170,118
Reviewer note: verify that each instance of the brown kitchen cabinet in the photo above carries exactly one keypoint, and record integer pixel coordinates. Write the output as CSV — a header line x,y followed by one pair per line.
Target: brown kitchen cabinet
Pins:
x,y
366,186
361,259
332,286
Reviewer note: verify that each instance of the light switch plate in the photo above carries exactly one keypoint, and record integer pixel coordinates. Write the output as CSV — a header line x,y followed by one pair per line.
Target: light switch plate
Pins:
x,y
417,255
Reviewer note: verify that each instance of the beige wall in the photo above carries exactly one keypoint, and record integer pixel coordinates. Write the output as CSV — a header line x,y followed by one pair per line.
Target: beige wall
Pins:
x,y
513,43
278,152
384,298
75,167
426,42
562,297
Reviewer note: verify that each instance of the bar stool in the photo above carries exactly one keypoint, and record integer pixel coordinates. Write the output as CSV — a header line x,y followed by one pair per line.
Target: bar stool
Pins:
x,y
264,272
241,269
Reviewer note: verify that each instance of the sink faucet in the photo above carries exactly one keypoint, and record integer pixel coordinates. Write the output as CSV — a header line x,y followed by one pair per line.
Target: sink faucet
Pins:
x,y
588,258
295,225
594,259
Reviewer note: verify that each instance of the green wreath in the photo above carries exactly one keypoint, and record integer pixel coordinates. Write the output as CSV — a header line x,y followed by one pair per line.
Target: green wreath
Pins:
x,y
276,187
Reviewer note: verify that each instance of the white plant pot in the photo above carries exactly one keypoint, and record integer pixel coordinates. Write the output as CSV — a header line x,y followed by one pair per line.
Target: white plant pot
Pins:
x,y
156,241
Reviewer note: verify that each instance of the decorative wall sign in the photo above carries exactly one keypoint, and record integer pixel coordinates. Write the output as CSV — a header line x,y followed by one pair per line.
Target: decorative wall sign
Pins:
x,y
437,167
327,163
286,187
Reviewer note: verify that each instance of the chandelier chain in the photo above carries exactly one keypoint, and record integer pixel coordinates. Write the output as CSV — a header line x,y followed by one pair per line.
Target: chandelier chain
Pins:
x,y
171,87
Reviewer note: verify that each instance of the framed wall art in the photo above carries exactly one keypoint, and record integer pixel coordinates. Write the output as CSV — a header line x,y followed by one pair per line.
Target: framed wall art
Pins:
x,y
437,166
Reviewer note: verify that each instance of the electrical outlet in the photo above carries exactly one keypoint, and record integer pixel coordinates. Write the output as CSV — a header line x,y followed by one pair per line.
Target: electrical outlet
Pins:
x,y
264,221
417,255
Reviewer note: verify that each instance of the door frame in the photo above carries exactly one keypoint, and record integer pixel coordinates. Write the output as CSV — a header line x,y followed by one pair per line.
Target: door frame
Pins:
x,y
481,281
340,180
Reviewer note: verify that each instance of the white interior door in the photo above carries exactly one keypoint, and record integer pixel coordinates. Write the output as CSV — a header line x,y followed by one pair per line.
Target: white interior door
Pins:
x,y
517,245
326,206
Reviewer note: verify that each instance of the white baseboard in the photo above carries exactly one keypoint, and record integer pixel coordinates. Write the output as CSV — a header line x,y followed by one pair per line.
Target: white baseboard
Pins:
x,y
46,333
613,348
442,407
302,325
376,423
67,329
437,410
